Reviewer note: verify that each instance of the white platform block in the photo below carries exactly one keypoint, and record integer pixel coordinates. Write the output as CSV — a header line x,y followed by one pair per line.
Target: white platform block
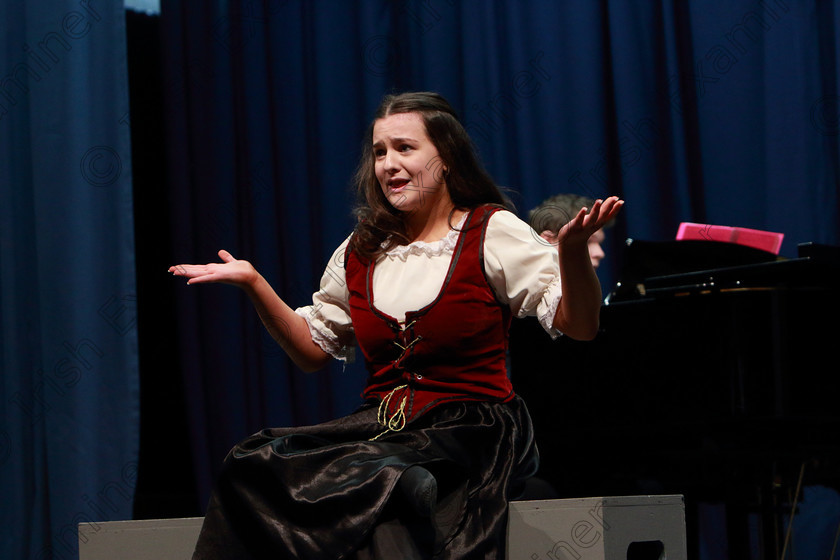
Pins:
x,y
611,528
153,539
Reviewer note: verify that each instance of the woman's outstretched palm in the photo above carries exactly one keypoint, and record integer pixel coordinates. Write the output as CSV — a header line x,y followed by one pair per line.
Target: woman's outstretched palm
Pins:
x,y
230,271
580,228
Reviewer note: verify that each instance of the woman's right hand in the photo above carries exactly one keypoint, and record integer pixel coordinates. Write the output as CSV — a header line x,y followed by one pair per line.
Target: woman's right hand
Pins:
x,y
289,329
230,271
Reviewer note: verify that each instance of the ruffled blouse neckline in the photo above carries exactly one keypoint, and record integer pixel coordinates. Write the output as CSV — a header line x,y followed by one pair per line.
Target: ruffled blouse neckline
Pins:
x,y
443,246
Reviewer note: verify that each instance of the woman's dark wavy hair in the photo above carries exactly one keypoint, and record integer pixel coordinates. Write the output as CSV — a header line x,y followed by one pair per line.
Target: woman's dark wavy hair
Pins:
x,y
380,226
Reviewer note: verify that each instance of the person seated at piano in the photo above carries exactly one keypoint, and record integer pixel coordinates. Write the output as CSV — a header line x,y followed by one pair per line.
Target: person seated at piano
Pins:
x,y
556,211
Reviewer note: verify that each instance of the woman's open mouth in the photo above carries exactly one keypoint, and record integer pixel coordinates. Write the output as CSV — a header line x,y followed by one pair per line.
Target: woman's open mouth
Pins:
x,y
397,183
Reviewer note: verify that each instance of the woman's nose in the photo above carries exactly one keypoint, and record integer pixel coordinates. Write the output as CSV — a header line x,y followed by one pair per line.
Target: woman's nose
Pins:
x,y
390,161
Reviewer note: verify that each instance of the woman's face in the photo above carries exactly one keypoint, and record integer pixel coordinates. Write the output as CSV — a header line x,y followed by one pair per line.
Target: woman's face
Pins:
x,y
406,163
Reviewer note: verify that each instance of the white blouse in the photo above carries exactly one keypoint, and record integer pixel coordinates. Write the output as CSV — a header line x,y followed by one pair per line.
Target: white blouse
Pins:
x,y
522,268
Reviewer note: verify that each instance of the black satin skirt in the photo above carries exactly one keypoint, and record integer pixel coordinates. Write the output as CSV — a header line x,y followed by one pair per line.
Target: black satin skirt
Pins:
x,y
329,492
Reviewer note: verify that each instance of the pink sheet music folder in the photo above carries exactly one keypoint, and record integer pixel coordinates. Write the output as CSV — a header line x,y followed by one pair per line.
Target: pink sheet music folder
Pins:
x,y
758,239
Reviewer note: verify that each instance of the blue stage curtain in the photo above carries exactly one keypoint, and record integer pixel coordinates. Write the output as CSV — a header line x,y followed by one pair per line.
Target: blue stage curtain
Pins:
x,y
69,386
722,112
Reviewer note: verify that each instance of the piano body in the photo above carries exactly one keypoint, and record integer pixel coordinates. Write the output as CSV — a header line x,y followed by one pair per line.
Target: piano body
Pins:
x,y
713,376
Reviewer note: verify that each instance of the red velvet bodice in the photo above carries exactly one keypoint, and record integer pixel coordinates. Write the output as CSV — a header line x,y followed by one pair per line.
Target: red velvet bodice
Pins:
x,y
452,349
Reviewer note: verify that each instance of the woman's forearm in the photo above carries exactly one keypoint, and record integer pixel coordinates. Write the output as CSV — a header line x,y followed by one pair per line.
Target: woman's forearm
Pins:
x,y
578,313
289,329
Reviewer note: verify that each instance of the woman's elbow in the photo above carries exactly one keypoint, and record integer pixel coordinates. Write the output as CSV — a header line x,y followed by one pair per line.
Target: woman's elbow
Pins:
x,y
313,364
584,333
583,330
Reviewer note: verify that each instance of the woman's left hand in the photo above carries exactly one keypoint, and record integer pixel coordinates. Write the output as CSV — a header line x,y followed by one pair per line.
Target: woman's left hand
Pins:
x,y
585,223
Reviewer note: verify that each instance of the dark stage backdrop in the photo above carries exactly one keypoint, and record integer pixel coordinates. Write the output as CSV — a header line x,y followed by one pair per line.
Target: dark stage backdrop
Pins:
x,y
721,112
69,399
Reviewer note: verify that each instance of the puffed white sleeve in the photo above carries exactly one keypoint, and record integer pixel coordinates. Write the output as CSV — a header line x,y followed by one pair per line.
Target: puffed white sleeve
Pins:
x,y
328,317
523,269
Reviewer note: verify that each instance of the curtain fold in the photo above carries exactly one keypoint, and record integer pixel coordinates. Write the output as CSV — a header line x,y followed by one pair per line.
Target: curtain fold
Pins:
x,y
68,306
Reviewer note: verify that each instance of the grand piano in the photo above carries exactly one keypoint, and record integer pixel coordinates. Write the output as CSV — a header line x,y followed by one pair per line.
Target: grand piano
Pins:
x,y
713,376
